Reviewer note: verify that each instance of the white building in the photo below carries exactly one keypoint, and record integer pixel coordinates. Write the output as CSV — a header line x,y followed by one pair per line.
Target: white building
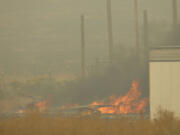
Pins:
x,y
164,78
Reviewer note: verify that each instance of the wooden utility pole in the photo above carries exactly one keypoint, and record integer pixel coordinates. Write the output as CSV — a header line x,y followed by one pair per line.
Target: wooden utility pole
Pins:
x,y
175,16
136,23
83,57
146,56
110,30
146,33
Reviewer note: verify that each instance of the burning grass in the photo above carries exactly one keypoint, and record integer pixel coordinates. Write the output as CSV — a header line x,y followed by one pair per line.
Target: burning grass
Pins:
x,y
35,123
130,103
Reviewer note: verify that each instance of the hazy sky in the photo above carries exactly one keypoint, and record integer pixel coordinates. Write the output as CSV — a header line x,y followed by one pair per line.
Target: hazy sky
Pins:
x,y
34,29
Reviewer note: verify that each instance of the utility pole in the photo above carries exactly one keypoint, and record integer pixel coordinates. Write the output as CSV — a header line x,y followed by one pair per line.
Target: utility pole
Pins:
x,y
175,15
110,30
97,65
146,56
146,32
136,23
83,57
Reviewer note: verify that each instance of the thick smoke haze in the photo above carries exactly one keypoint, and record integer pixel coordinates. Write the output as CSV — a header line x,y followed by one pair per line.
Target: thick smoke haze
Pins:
x,y
40,41
43,36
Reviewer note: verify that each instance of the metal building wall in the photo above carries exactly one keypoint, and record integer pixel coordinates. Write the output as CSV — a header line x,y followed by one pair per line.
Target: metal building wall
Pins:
x,y
165,86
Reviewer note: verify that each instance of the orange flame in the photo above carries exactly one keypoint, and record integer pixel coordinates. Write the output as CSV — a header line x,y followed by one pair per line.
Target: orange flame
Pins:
x,y
124,104
42,105
21,111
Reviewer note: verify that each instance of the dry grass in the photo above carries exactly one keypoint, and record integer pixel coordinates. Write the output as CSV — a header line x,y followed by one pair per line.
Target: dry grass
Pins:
x,y
36,124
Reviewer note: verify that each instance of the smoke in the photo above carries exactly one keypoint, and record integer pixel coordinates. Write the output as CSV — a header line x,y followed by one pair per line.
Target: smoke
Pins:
x,y
116,79
174,37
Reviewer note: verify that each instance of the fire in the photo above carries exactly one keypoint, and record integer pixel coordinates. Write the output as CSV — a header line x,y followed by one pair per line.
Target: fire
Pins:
x,y
130,103
42,105
21,111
